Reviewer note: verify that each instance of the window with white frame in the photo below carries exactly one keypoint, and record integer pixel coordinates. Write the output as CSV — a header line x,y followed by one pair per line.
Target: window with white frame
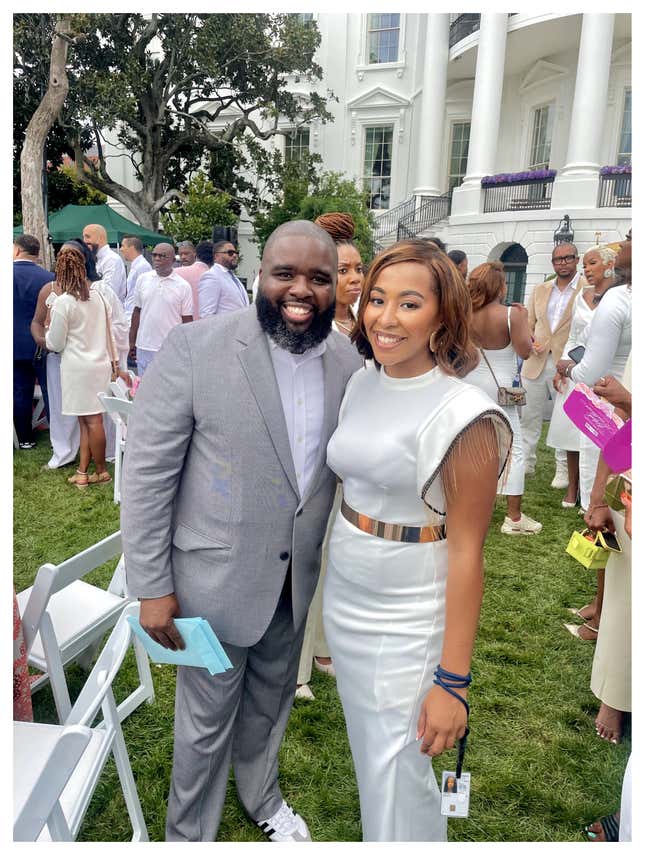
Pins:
x,y
296,145
377,165
625,142
305,17
459,140
541,137
383,31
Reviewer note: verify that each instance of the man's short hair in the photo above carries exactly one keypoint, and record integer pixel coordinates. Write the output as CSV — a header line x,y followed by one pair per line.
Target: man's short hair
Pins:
x,y
28,243
204,252
437,242
134,242
188,243
219,245
565,243
457,256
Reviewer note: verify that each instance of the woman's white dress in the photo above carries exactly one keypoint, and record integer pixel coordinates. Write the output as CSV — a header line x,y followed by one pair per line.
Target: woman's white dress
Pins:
x,y
78,330
384,601
609,344
562,431
504,365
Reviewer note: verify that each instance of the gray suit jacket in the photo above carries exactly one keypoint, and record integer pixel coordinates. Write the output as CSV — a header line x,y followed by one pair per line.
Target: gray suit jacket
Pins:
x,y
210,501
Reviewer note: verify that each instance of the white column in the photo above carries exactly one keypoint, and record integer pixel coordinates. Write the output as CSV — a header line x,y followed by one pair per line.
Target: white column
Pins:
x,y
487,107
433,106
576,185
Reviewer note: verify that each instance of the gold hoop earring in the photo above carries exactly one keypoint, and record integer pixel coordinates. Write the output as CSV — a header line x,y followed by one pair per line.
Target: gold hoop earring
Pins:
x,y
432,341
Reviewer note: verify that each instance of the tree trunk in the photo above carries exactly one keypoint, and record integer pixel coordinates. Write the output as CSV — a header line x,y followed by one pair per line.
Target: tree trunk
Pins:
x,y
31,156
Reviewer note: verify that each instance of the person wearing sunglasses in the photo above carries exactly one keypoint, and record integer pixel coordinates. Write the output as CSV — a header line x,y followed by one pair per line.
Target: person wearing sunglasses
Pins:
x,y
550,308
219,289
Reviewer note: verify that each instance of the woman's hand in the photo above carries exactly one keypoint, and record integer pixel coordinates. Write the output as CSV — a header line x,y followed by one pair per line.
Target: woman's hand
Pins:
x,y
125,376
562,366
558,382
614,392
442,721
598,517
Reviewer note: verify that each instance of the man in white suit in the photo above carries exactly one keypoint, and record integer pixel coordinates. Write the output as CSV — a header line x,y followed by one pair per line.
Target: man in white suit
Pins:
x,y
225,502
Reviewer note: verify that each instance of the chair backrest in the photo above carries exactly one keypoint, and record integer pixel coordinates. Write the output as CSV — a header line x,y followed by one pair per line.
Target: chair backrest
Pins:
x,y
104,671
41,805
119,388
52,578
116,405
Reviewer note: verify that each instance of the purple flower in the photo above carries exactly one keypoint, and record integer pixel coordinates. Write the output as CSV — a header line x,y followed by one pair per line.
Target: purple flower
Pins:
x,y
508,177
617,170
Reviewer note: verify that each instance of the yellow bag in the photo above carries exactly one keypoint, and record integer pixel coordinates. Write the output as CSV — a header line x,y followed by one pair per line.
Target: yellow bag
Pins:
x,y
588,548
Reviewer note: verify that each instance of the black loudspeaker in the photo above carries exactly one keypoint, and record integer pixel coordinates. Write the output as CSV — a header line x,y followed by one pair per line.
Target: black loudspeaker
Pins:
x,y
228,233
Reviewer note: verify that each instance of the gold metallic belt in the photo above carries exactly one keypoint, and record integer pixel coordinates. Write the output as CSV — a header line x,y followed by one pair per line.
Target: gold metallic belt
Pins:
x,y
392,531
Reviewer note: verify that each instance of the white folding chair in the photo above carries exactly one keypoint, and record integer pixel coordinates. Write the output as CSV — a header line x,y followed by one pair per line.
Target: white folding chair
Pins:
x,y
44,757
65,618
105,738
38,417
119,409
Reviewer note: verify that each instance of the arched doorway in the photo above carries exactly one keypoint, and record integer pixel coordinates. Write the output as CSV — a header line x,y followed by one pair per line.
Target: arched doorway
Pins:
x,y
515,259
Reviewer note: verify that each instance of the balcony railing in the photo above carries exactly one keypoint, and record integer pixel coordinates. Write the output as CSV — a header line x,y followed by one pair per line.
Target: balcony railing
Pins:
x,y
463,26
431,210
518,196
387,223
615,191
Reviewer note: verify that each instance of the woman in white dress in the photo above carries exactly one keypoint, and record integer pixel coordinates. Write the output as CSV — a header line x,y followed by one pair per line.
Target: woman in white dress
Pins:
x,y
598,266
502,334
78,330
419,452
351,276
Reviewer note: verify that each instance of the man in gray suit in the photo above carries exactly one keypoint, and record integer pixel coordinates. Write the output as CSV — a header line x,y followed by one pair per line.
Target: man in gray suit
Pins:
x,y
225,501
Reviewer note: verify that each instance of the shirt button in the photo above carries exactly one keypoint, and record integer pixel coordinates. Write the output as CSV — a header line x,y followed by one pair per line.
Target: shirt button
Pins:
x,y
284,556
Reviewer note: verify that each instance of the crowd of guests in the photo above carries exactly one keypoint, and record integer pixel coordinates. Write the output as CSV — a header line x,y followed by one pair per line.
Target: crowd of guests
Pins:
x,y
443,416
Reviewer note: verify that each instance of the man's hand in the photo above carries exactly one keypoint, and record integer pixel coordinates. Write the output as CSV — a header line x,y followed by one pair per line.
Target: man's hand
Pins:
x,y
156,617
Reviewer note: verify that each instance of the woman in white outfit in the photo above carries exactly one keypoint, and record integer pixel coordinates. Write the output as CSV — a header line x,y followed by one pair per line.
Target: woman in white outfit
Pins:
x,y
419,452
502,334
351,276
79,329
598,266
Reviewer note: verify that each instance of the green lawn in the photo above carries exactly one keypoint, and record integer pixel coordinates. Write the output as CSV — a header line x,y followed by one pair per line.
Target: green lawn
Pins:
x,y
539,772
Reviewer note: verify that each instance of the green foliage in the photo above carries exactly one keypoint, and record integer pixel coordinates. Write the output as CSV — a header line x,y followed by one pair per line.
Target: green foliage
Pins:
x,y
305,195
64,188
539,772
194,218
158,82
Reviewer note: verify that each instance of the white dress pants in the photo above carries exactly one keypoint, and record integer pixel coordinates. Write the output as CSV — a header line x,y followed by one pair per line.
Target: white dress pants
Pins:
x,y
538,391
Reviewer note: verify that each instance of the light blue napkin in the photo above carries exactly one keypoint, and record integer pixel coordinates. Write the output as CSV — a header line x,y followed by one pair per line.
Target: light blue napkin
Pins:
x,y
203,649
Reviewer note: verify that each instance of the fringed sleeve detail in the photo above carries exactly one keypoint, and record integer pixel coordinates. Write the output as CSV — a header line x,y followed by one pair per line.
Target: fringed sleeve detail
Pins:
x,y
488,435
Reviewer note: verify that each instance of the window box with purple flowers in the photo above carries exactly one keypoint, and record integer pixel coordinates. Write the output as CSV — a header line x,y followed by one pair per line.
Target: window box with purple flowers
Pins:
x,y
616,170
508,178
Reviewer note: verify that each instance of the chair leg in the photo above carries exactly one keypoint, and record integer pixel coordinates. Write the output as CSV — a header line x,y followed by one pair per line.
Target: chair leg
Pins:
x,y
86,659
129,787
55,670
143,667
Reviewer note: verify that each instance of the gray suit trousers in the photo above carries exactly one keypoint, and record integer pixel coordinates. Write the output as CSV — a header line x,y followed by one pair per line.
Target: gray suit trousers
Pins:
x,y
240,715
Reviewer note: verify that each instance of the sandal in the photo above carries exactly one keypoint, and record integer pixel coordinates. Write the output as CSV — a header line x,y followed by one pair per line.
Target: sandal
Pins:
x,y
103,478
574,629
79,480
609,826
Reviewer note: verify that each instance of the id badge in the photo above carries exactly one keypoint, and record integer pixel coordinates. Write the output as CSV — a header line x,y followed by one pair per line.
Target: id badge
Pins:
x,y
455,794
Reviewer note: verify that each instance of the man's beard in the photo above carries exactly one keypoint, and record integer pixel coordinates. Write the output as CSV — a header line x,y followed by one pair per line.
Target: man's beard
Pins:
x,y
274,325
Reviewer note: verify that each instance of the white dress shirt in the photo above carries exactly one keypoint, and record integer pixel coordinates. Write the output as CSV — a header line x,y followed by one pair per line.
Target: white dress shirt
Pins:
x,y
139,265
112,269
301,383
219,291
559,300
163,301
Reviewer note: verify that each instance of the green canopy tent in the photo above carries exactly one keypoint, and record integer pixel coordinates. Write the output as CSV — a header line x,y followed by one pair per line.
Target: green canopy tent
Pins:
x,y
69,222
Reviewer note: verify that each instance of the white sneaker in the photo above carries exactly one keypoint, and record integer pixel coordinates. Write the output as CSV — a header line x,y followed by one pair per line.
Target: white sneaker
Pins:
x,y
525,525
560,479
286,826
304,693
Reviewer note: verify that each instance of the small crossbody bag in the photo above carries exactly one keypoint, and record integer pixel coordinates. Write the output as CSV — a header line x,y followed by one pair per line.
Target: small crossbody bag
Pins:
x,y
507,396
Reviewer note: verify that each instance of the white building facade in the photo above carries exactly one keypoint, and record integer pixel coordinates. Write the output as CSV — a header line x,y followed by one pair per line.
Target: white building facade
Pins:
x,y
429,104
